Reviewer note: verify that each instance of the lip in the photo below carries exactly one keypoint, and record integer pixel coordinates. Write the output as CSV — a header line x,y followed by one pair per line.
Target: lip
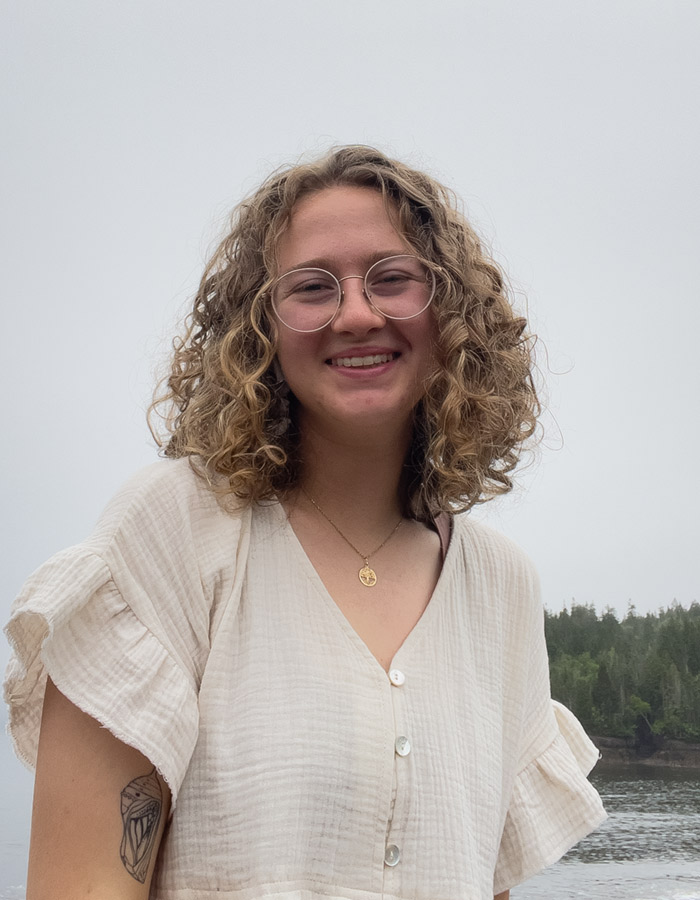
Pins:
x,y
362,352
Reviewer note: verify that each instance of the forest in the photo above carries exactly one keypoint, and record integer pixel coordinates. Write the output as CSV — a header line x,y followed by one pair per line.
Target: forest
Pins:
x,y
639,677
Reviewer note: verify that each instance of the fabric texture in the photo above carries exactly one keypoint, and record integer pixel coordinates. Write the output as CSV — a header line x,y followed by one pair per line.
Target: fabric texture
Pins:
x,y
203,636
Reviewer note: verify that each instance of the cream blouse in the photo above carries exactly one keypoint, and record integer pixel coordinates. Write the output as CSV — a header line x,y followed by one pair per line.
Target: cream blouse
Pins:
x,y
299,768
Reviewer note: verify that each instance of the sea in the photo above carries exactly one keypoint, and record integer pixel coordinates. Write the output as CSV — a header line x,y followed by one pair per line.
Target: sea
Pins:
x,y
648,849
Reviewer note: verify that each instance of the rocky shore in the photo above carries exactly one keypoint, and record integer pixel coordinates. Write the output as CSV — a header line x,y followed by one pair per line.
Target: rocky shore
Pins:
x,y
676,754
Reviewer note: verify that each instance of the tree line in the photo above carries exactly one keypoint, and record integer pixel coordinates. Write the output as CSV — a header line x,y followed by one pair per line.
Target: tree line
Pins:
x,y
639,677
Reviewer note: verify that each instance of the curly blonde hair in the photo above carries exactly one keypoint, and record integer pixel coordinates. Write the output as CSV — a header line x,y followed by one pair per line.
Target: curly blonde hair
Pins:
x,y
223,403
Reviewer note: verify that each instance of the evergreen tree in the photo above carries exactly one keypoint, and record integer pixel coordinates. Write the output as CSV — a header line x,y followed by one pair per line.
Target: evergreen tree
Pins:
x,y
636,677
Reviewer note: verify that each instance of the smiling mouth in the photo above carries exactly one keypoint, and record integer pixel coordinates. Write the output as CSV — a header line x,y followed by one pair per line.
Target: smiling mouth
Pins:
x,y
358,362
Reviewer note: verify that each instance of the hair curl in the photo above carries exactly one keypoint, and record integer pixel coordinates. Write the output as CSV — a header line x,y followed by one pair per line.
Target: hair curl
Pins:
x,y
222,402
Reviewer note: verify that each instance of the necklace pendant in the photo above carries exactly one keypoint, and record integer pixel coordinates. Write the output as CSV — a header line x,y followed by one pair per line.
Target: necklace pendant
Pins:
x,y
367,575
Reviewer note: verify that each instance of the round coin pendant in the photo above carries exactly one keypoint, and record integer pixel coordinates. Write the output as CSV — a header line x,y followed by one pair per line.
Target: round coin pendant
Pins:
x,y
368,576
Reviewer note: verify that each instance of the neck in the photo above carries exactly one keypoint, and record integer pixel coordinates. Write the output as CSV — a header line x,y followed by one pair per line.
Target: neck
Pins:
x,y
355,478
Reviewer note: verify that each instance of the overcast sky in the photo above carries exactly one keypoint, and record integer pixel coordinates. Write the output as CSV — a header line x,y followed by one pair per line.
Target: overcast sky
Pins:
x,y
570,130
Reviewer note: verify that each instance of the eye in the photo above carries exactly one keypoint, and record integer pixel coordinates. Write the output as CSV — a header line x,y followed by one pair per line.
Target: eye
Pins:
x,y
390,281
312,286
306,286
314,290
393,277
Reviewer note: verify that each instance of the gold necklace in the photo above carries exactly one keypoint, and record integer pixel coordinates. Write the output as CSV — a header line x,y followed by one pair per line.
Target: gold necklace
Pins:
x,y
367,575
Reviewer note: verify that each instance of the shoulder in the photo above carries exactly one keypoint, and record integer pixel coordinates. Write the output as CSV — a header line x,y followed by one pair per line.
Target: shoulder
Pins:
x,y
166,484
498,570
167,530
498,552
169,498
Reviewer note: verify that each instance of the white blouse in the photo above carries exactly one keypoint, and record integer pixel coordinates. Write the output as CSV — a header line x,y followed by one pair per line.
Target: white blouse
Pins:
x,y
299,768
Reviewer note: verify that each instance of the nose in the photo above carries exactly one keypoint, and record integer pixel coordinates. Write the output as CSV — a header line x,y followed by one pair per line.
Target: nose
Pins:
x,y
356,313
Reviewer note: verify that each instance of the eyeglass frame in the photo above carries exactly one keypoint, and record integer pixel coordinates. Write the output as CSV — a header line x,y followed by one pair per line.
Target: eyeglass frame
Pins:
x,y
431,267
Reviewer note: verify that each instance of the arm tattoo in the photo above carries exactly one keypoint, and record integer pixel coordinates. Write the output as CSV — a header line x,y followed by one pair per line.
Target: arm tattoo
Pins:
x,y
142,803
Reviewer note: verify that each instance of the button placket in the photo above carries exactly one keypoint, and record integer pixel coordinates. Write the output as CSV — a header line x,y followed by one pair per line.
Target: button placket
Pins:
x,y
402,748
402,744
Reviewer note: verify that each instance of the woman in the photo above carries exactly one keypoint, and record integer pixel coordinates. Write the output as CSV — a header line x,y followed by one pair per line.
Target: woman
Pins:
x,y
282,642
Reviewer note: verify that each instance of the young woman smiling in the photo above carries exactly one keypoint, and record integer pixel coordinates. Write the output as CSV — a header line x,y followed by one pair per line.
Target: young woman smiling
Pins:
x,y
289,641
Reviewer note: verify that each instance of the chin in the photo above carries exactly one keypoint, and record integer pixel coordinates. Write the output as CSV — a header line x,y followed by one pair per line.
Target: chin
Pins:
x,y
379,418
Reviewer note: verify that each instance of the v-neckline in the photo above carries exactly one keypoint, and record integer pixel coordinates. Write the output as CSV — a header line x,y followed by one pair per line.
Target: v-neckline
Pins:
x,y
416,633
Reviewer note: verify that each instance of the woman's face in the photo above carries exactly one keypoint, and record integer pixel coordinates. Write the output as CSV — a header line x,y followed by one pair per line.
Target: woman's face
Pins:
x,y
345,230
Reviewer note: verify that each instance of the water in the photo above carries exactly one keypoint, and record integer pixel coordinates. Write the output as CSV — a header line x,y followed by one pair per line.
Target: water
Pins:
x,y
649,848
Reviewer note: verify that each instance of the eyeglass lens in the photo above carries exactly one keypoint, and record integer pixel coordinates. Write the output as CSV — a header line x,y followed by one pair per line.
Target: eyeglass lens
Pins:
x,y
307,299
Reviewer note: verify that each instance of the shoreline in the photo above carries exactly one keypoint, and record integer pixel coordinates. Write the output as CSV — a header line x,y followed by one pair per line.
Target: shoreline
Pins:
x,y
671,754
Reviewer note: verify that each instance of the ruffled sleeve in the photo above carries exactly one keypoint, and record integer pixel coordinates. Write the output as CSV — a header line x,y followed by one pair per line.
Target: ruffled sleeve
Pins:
x,y
553,805
122,623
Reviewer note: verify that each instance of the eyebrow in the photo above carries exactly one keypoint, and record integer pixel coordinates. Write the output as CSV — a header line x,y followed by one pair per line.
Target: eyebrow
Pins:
x,y
323,263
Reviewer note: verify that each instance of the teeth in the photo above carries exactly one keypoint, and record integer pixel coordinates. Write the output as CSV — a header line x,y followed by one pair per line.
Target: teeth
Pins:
x,y
358,361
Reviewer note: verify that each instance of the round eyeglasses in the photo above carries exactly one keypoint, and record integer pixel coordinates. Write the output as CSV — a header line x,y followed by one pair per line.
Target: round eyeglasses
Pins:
x,y
398,287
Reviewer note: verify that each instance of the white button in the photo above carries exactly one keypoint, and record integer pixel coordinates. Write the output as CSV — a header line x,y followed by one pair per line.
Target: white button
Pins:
x,y
392,855
402,745
397,677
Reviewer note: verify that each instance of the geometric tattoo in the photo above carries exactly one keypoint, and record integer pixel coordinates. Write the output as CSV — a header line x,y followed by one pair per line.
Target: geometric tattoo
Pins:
x,y
142,801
